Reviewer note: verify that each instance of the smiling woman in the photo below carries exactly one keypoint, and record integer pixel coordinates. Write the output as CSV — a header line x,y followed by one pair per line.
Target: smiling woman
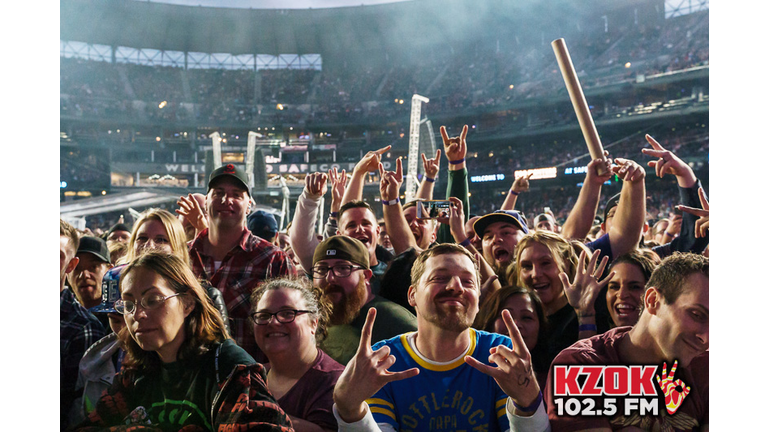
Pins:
x,y
289,318
181,369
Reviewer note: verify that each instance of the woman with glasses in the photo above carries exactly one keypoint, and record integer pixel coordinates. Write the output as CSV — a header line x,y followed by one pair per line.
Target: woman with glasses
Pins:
x,y
289,319
181,369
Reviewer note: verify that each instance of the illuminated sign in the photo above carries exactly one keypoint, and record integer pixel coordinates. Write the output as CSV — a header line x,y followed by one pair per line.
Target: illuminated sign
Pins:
x,y
62,185
486,178
538,173
575,170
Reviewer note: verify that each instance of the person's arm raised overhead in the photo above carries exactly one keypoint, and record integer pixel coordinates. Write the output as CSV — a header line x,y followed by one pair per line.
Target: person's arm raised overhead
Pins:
x,y
338,186
399,233
458,180
431,169
627,225
583,292
302,232
689,238
582,215
520,185
369,163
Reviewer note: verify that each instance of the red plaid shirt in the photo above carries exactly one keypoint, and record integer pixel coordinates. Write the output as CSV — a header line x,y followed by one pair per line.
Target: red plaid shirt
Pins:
x,y
245,266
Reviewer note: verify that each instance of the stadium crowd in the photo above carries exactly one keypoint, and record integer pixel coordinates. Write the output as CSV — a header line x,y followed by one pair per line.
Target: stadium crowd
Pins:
x,y
204,316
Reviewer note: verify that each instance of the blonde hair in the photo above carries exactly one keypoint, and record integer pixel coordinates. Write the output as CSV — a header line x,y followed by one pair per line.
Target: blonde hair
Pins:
x,y
202,327
562,251
177,238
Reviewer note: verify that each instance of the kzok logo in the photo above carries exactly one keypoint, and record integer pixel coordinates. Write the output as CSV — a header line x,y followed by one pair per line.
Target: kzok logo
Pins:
x,y
575,385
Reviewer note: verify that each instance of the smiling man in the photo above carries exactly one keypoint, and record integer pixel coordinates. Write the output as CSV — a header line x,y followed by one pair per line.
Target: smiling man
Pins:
x,y
230,257
673,330
341,270
446,375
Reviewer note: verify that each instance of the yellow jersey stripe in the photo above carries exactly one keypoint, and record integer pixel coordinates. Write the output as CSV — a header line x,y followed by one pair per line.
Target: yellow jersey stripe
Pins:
x,y
440,368
383,411
377,401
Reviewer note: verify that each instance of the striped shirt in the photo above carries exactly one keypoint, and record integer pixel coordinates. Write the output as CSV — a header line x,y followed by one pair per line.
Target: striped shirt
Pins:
x,y
250,262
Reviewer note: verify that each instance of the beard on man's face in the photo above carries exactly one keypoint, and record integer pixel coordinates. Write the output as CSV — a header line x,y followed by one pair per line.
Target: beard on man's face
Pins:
x,y
347,307
454,318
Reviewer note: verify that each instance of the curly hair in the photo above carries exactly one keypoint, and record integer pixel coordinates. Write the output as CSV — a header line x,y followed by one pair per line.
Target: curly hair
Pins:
x,y
313,297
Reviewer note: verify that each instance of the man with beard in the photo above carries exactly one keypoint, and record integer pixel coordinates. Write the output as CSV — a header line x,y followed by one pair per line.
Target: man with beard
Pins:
x,y
85,279
342,271
443,375
230,257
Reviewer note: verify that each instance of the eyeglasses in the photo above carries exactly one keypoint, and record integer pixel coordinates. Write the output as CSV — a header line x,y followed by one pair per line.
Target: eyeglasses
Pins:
x,y
284,316
340,271
147,303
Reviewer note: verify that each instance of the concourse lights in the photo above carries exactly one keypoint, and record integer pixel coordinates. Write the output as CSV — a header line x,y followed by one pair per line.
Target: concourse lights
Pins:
x,y
280,107
157,139
162,104
511,86
627,65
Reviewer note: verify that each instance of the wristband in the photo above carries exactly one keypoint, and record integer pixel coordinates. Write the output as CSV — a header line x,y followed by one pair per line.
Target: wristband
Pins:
x,y
465,242
392,202
514,193
669,234
588,327
334,214
530,408
456,162
431,180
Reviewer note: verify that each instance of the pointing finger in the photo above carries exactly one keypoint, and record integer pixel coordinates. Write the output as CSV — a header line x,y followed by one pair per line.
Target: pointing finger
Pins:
x,y
383,150
365,335
703,199
693,211
655,144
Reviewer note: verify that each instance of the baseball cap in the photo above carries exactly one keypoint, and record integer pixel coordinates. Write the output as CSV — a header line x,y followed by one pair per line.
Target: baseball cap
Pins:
x,y
110,291
611,203
95,246
543,216
262,224
512,216
231,171
342,247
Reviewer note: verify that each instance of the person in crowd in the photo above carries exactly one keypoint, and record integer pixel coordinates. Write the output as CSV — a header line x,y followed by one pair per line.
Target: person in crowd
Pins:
x,y
526,309
104,358
290,319
500,232
341,271
624,295
284,243
229,256
673,329
118,233
384,240
545,221
79,329
567,285
392,384
263,224
93,263
181,370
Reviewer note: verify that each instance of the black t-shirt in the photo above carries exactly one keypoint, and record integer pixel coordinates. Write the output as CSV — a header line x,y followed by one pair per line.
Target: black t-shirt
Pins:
x,y
397,279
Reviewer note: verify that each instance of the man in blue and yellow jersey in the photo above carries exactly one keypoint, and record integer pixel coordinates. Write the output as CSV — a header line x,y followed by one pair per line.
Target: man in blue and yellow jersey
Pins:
x,y
446,375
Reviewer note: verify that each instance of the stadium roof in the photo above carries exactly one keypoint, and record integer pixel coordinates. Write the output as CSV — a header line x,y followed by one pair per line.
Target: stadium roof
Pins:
x,y
275,4
332,32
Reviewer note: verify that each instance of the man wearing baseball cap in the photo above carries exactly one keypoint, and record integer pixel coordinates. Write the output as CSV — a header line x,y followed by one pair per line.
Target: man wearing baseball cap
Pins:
x,y
500,231
340,268
263,224
85,279
230,257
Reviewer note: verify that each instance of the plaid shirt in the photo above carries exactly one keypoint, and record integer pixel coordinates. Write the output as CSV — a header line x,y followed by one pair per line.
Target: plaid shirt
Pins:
x,y
79,330
242,269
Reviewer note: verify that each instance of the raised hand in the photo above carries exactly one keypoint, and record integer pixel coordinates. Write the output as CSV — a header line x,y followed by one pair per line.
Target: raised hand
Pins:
x,y
391,181
316,184
599,165
365,374
456,220
370,162
628,170
190,211
521,184
668,162
431,166
583,291
702,223
673,397
455,147
514,370
338,184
